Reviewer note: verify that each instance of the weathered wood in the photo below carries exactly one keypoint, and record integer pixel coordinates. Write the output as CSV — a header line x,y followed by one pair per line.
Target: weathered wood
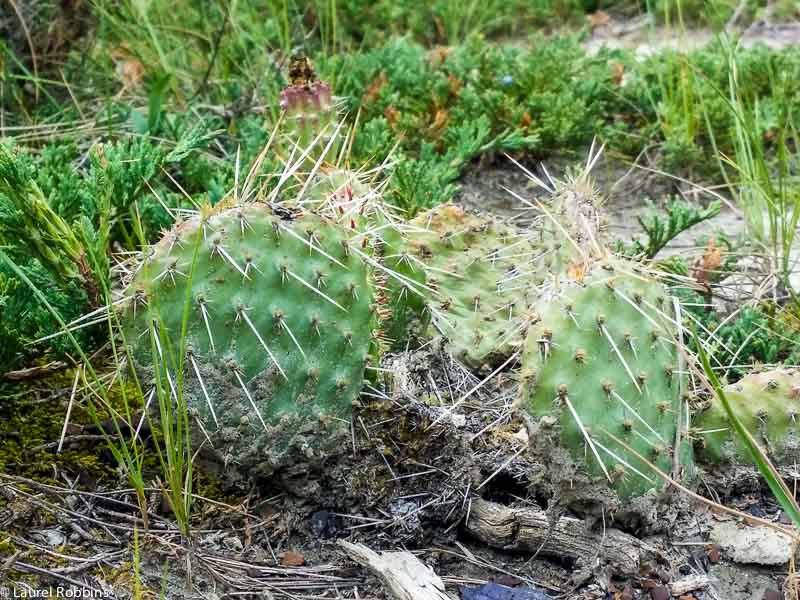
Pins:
x,y
689,584
35,372
528,529
403,575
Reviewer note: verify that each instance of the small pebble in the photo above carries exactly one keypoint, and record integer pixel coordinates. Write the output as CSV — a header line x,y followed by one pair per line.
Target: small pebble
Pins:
x,y
233,544
323,524
660,593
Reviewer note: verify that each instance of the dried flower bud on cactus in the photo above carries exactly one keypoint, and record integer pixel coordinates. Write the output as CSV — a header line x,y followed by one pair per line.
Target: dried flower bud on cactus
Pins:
x,y
311,116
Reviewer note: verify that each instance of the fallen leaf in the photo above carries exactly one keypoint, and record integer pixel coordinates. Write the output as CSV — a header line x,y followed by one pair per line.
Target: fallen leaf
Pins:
x,y
290,558
374,88
439,54
455,84
712,551
617,72
660,593
599,18
440,119
706,267
129,69
576,271
392,115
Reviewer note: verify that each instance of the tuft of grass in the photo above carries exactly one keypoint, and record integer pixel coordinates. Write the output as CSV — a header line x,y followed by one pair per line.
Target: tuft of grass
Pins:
x,y
761,171
131,457
174,422
174,447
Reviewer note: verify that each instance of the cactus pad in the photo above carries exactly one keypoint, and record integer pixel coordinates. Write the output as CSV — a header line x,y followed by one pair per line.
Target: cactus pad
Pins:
x,y
475,279
768,404
281,323
600,360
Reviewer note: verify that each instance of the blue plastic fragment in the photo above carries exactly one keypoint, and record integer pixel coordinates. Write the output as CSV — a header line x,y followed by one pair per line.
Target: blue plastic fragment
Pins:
x,y
493,591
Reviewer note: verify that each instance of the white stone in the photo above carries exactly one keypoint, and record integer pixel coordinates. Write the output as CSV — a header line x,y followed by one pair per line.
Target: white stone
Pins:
x,y
756,544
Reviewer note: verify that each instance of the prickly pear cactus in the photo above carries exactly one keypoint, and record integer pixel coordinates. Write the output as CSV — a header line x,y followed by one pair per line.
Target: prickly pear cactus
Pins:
x,y
281,323
468,277
768,404
572,228
601,361
472,279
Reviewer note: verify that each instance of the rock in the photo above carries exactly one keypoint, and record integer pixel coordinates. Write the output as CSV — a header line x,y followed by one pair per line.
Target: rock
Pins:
x,y
730,581
51,537
459,420
752,544
660,593
233,544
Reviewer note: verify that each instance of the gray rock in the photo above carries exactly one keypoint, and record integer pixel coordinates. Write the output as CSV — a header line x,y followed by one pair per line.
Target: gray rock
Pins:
x,y
752,544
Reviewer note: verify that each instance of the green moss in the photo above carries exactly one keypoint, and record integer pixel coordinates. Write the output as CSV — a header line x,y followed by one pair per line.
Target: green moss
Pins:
x,y
7,547
33,416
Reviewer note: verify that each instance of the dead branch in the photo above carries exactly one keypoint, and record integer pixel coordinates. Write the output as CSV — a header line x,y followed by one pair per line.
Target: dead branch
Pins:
x,y
529,530
403,575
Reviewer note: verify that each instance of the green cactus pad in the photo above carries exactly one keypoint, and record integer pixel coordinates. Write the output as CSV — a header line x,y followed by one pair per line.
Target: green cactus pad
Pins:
x,y
281,323
475,277
768,404
600,360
